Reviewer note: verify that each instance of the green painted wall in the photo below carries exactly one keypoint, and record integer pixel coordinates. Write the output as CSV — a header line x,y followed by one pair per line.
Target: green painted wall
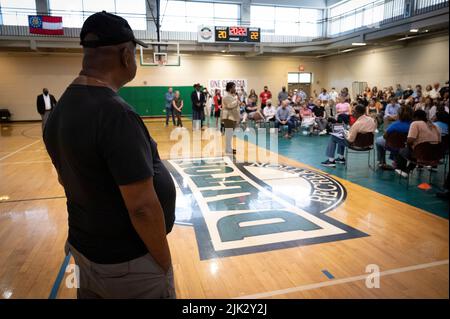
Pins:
x,y
149,100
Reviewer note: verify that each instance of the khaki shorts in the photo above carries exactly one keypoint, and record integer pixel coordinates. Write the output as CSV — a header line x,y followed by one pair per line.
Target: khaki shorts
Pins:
x,y
138,278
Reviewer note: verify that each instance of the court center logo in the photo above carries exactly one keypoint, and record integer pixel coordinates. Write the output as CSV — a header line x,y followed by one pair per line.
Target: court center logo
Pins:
x,y
240,208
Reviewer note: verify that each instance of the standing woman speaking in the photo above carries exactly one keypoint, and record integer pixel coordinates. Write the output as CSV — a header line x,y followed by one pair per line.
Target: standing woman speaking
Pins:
x,y
230,115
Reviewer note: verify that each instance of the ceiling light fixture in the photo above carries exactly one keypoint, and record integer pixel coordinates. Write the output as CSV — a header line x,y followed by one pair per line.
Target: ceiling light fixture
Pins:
x,y
359,43
414,30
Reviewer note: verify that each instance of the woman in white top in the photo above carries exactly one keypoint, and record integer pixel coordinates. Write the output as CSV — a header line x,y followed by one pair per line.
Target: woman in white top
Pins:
x,y
269,111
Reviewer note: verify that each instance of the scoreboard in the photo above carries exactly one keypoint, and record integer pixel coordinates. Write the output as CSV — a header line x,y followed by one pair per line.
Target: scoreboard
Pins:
x,y
237,34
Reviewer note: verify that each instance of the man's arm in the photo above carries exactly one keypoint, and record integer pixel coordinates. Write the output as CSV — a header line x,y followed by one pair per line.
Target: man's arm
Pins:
x,y
147,218
38,105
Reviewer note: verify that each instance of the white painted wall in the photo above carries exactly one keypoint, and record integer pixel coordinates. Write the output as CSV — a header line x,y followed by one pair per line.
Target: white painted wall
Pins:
x,y
423,62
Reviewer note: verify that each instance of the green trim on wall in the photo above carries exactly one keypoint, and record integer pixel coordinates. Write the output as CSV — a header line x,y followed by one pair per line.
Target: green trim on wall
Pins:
x,y
150,101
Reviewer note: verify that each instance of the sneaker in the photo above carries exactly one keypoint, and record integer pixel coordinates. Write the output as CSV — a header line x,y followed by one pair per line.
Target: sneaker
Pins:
x,y
323,132
340,160
329,163
401,173
432,168
376,131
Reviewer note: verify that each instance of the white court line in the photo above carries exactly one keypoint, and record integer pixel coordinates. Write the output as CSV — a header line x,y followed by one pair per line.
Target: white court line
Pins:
x,y
335,282
17,151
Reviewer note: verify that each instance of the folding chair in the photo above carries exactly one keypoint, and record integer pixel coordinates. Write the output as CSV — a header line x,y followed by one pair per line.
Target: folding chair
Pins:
x,y
426,154
364,142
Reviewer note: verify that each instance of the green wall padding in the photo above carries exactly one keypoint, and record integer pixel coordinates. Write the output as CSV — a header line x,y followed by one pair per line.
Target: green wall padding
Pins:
x,y
149,100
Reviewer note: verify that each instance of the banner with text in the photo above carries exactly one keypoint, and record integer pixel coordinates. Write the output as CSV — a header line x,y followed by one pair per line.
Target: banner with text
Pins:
x,y
221,85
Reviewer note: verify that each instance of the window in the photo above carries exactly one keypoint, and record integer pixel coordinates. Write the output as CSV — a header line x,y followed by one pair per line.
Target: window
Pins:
x,y
188,15
71,12
421,4
15,12
354,14
134,11
74,12
305,78
300,77
286,21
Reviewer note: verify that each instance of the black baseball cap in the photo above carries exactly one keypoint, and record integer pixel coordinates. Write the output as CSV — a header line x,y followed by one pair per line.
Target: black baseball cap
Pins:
x,y
106,29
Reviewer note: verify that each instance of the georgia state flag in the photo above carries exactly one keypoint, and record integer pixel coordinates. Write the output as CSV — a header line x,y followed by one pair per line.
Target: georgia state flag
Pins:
x,y
46,25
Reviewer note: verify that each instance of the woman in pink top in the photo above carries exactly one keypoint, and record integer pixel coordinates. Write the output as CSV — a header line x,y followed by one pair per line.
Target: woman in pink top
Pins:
x,y
342,111
307,117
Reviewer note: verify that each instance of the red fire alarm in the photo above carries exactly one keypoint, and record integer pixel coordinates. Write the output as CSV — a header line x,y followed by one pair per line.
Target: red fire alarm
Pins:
x,y
301,68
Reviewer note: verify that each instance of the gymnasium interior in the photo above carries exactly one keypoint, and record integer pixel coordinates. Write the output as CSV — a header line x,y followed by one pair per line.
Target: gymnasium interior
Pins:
x,y
279,224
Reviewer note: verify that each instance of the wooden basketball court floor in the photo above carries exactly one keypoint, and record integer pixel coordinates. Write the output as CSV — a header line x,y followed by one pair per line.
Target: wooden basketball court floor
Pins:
x,y
362,231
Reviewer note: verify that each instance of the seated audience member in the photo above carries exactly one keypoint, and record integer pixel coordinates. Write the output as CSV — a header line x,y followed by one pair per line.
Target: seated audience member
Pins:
x,y
445,101
441,122
372,110
391,112
324,96
253,96
251,112
408,92
342,111
345,95
417,91
321,118
367,93
420,104
311,104
430,108
444,89
399,91
307,117
427,91
269,111
301,96
283,117
434,93
400,126
363,124
333,94
420,131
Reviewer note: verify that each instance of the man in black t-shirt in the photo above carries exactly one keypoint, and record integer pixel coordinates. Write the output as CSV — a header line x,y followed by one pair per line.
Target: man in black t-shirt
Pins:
x,y
120,197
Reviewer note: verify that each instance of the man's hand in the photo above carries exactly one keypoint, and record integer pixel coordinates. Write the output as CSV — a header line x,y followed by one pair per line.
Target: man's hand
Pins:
x,y
147,218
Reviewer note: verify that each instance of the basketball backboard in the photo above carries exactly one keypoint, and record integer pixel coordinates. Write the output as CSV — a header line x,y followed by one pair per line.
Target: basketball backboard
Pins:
x,y
160,54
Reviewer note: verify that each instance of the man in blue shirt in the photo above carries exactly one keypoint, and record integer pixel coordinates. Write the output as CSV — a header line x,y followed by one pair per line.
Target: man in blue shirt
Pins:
x,y
402,125
169,109
399,91
391,112
283,117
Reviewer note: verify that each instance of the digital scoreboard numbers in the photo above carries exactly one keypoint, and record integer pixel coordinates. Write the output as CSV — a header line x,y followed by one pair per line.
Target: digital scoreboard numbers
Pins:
x,y
237,34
